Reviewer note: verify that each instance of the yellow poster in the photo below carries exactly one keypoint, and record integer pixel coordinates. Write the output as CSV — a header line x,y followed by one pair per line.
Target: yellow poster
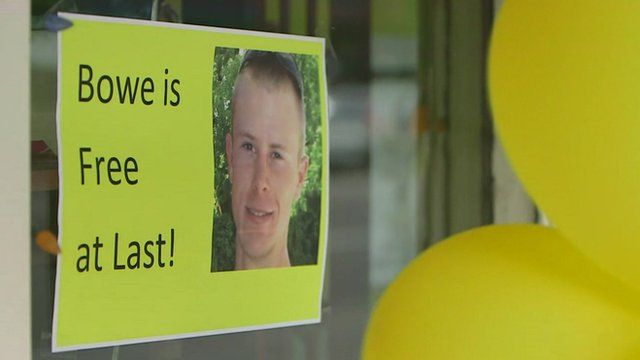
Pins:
x,y
193,181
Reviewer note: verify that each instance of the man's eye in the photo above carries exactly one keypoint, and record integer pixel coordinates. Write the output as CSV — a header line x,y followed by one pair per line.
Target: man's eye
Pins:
x,y
247,146
276,155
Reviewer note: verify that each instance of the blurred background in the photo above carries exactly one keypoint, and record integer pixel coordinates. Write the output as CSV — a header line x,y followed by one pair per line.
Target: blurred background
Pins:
x,y
413,153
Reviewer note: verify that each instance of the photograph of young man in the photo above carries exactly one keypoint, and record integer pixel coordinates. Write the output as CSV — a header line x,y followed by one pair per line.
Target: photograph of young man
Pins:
x,y
266,157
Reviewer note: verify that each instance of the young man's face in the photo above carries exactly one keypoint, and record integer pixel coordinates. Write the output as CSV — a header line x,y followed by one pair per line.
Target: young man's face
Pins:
x,y
267,166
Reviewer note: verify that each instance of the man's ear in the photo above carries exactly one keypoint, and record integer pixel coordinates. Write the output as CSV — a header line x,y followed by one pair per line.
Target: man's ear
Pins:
x,y
303,166
229,150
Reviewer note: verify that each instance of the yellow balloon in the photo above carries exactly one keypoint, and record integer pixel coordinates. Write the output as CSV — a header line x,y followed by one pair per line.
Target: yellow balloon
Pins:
x,y
564,79
504,292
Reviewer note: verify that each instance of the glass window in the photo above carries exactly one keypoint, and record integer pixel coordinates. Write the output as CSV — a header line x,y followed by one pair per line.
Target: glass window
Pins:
x,y
411,149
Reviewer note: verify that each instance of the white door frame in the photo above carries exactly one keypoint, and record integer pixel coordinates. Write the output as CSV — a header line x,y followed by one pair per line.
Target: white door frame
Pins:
x,y
15,185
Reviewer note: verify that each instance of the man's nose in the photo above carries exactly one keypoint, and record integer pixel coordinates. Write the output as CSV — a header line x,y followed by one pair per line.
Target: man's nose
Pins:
x,y
261,175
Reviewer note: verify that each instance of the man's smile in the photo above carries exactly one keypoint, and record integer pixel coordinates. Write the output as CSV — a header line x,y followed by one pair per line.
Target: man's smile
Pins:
x,y
259,212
